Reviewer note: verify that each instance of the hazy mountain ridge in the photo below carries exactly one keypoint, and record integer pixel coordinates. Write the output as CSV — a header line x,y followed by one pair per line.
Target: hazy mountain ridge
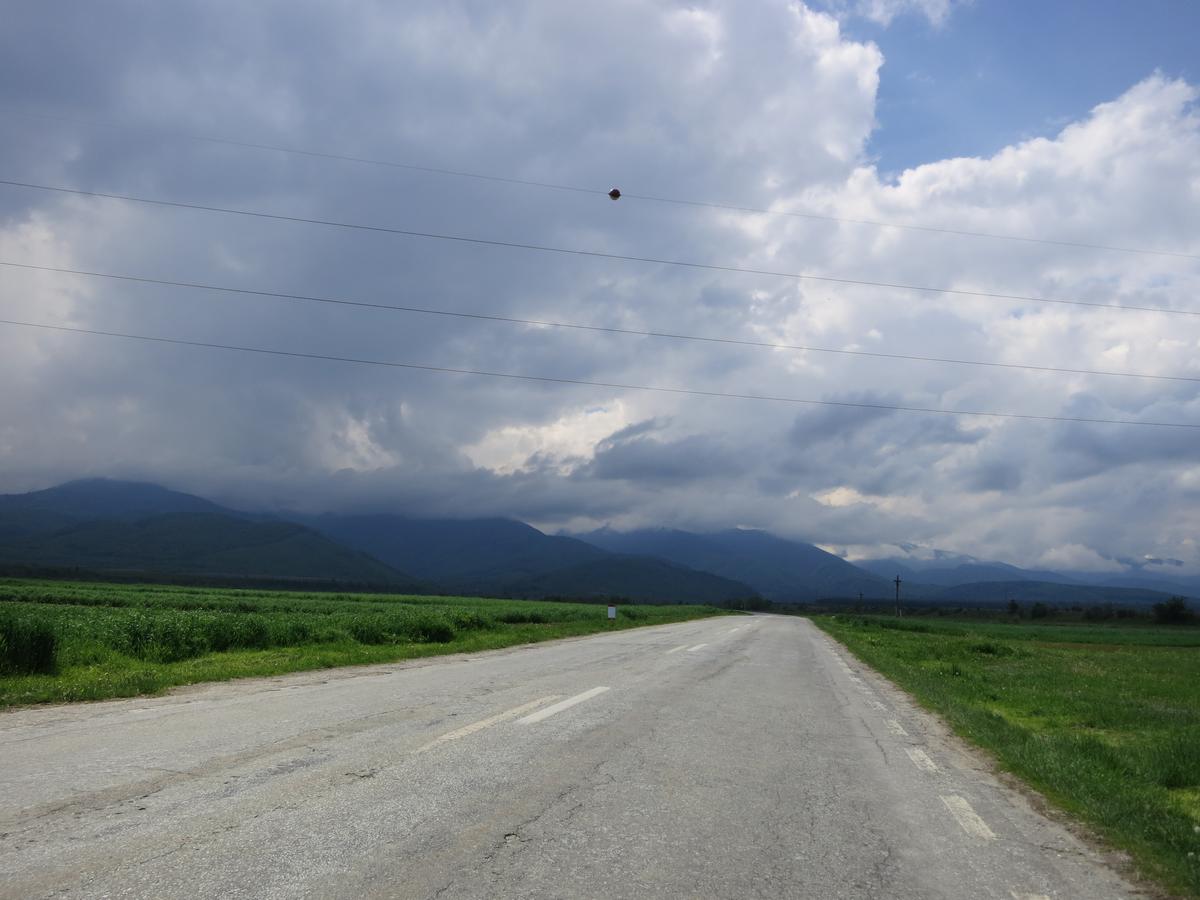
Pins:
x,y
464,552
781,570
108,525
949,570
114,525
640,578
203,544
1048,593
948,575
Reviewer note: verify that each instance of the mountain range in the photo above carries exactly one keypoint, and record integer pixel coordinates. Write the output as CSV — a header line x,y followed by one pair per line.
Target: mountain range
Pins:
x,y
105,526
781,570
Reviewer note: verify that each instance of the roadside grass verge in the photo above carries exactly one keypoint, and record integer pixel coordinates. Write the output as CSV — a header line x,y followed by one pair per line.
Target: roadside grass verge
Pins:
x,y
67,641
1103,720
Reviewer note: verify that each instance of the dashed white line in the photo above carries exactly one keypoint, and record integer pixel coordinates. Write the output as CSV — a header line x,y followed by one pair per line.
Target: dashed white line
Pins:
x,y
732,630
879,706
896,728
561,705
921,759
676,649
488,722
697,647
967,817
1017,895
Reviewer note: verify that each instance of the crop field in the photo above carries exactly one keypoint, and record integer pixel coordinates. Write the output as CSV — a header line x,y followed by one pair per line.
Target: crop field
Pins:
x,y
1104,720
63,641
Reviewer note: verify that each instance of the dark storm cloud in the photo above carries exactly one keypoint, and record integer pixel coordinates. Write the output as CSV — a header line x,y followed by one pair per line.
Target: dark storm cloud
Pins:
x,y
650,461
751,104
994,476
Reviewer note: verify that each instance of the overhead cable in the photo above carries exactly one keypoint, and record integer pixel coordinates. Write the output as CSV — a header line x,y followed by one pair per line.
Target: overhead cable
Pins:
x,y
447,370
596,254
606,329
651,198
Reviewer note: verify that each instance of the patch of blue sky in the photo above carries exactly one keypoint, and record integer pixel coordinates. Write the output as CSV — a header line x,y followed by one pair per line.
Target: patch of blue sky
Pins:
x,y
996,72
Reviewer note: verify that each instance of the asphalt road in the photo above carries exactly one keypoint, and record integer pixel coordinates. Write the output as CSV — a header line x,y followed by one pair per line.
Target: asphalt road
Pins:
x,y
731,758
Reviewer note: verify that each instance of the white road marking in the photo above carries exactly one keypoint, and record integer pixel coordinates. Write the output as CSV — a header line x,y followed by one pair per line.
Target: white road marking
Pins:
x,y
697,647
677,649
896,728
732,630
879,706
488,722
1017,895
921,759
561,705
967,817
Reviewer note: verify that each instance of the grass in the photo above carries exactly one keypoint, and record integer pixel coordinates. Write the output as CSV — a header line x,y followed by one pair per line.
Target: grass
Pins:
x,y
65,641
1104,720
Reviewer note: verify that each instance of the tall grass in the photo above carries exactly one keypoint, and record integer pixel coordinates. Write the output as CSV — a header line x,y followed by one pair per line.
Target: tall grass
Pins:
x,y
27,646
76,640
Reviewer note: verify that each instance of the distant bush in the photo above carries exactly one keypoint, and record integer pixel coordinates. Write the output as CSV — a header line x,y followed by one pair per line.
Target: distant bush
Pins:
x,y
27,647
1039,611
1173,612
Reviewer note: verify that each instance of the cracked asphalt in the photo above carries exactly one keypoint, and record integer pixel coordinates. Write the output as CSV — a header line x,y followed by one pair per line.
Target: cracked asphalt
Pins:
x,y
766,763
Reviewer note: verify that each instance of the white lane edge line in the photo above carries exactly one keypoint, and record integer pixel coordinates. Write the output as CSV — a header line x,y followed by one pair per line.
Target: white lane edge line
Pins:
x,y
697,647
676,649
896,728
488,722
921,759
967,817
561,705
1017,895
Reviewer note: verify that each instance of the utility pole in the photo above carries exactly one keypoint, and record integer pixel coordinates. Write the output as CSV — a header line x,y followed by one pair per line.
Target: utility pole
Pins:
x,y
897,595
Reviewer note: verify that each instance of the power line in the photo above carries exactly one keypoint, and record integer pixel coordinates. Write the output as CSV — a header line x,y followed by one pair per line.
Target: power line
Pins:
x,y
728,207
596,254
546,379
766,345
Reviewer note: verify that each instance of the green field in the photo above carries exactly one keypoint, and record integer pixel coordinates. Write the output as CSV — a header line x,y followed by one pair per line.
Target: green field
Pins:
x,y
64,641
1104,720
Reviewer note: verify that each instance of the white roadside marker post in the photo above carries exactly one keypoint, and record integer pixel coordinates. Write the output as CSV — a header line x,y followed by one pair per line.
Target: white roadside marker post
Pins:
x,y
612,612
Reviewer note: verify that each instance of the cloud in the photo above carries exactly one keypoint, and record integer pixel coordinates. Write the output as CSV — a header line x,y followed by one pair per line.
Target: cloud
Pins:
x,y
767,106
1077,558
883,12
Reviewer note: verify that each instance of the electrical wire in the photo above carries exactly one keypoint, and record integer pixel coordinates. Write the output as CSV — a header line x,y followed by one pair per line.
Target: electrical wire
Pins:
x,y
625,195
596,254
546,379
606,329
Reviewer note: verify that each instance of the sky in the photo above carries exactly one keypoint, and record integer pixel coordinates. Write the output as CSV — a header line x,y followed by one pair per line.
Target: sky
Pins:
x,y
1070,127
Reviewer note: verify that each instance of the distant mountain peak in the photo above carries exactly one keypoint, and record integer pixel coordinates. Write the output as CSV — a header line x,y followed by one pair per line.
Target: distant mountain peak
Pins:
x,y
110,498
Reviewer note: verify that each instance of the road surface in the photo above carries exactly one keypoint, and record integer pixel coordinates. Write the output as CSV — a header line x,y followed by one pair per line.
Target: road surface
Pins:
x,y
732,757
